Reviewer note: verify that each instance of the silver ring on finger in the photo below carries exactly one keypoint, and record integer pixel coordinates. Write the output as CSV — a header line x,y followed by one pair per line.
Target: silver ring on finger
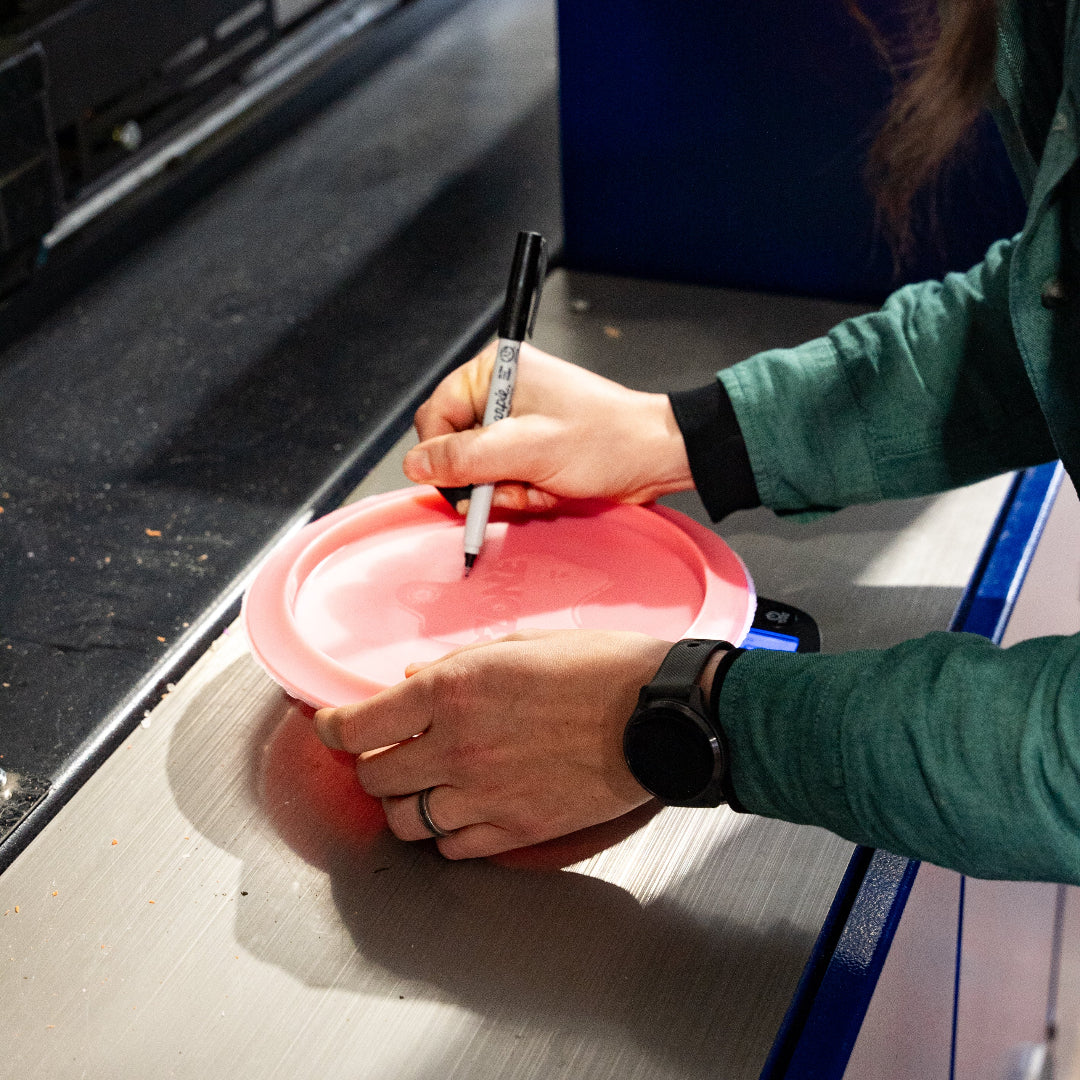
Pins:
x,y
425,814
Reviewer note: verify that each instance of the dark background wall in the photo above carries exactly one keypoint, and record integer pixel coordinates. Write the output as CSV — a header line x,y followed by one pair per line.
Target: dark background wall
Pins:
x,y
723,143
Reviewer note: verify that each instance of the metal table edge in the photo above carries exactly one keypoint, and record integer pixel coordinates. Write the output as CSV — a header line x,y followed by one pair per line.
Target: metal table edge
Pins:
x,y
327,496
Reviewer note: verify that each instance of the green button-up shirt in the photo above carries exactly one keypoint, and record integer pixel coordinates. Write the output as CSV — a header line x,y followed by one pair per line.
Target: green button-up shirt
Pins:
x,y
945,748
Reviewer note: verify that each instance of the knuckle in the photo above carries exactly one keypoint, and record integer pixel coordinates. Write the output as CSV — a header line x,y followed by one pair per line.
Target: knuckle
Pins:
x,y
437,455
462,846
446,687
485,358
343,729
368,778
396,818
470,758
347,728
448,849
450,453
477,371
397,827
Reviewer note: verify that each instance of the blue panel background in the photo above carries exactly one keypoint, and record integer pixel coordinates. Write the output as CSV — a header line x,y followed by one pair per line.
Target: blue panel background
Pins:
x,y
723,143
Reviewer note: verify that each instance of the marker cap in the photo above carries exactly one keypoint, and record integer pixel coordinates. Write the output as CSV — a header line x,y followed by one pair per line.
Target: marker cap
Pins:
x,y
527,272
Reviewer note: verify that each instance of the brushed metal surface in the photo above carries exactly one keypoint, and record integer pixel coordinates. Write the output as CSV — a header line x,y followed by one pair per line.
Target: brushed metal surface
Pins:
x,y
219,899
201,901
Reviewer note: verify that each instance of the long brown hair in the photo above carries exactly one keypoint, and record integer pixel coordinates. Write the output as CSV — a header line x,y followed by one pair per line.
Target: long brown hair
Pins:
x,y
942,72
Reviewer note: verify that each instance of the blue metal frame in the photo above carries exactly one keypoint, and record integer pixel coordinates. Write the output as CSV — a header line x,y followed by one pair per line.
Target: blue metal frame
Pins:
x,y
989,599
827,1010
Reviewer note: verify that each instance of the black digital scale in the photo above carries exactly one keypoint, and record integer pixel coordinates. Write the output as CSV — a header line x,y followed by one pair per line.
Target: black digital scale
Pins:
x,y
783,628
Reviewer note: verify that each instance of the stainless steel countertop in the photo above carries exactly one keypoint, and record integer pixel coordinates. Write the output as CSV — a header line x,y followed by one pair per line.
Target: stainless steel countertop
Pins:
x,y
218,901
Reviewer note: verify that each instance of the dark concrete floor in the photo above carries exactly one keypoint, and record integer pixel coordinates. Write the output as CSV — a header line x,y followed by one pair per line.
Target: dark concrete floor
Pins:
x,y
241,369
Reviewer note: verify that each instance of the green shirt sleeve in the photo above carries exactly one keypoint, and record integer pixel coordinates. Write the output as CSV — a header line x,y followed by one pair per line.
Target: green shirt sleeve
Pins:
x,y
927,394
945,748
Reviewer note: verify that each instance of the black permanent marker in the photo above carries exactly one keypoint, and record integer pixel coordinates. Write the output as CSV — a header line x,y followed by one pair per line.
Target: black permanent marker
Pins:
x,y
517,321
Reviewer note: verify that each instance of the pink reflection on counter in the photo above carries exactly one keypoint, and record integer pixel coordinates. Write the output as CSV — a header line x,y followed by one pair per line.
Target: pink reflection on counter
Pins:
x,y
313,800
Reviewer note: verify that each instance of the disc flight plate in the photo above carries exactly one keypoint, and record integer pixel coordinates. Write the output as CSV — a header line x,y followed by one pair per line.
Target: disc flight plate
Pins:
x,y
338,610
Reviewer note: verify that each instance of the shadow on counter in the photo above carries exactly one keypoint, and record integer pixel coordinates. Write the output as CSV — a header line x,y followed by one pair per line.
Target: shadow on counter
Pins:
x,y
330,896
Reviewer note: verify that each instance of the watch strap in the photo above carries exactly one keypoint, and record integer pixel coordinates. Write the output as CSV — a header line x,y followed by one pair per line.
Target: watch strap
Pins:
x,y
676,683
683,665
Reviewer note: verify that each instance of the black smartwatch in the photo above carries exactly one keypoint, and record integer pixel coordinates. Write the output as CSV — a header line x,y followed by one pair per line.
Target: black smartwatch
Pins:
x,y
672,743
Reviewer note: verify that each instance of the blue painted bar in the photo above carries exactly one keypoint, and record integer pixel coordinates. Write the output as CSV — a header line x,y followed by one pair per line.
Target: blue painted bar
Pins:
x,y
985,609
831,1020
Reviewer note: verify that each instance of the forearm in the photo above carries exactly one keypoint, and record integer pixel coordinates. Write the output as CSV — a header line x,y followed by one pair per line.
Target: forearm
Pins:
x,y
926,394
945,748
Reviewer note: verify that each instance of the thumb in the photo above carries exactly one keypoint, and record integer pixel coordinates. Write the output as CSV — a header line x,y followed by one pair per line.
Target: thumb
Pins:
x,y
507,450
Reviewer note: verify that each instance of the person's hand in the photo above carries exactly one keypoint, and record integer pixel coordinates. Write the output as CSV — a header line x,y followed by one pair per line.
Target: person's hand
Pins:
x,y
570,434
519,740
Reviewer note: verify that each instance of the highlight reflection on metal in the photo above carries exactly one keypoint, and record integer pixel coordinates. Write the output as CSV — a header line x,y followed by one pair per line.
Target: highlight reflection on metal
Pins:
x,y
266,76
19,794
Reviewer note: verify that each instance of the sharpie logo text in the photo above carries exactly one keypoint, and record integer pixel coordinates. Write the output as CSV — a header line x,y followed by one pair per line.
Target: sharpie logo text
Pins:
x,y
502,383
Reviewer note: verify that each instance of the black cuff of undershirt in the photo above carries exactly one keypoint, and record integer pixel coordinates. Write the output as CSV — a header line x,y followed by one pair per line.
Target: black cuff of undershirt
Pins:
x,y
719,462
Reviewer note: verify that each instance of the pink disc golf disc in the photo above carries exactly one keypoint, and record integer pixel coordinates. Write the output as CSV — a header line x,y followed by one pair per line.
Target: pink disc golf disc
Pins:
x,y
337,611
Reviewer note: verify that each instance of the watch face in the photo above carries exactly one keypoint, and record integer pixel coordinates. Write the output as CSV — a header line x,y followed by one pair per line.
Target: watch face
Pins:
x,y
670,752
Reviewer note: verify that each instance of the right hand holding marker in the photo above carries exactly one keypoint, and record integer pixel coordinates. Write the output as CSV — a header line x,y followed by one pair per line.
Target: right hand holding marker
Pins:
x,y
570,434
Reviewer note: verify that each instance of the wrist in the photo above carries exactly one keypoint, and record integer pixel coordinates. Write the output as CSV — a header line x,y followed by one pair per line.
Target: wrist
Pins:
x,y
712,685
673,744
708,674
665,449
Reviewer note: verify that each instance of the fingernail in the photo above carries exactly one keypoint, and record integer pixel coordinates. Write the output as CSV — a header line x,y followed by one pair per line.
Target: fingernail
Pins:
x,y
418,464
